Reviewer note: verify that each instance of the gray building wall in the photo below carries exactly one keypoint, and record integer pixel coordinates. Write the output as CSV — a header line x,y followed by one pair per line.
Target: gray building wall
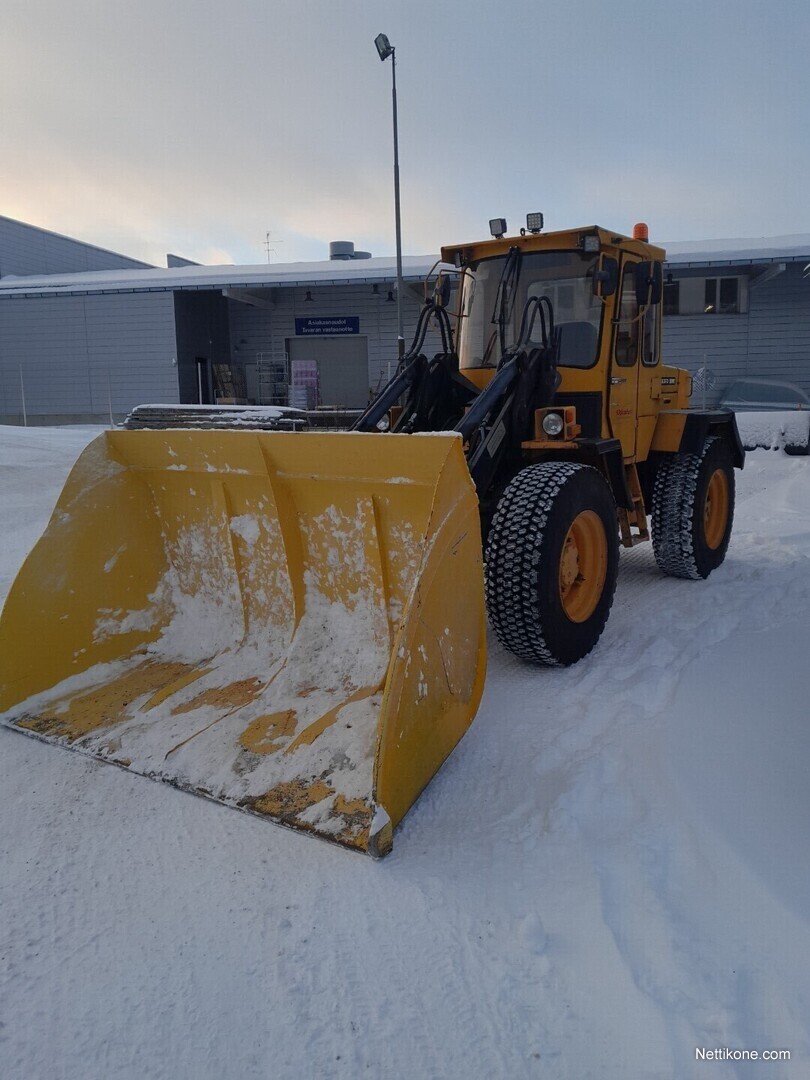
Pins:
x,y
771,340
25,249
265,330
74,357
77,357
178,260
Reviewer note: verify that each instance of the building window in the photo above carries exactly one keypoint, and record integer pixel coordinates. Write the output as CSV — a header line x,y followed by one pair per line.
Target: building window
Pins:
x,y
721,296
729,295
672,290
706,296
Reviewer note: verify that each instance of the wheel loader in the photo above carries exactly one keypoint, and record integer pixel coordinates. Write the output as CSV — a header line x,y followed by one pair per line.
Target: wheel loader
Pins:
x,y
293,623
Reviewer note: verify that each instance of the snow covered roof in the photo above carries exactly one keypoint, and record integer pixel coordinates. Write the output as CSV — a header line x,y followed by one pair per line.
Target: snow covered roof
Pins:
x,y
196,278
681,253
766,249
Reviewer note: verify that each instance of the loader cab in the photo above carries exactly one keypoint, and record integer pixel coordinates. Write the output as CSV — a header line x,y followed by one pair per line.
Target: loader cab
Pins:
x,y
608,332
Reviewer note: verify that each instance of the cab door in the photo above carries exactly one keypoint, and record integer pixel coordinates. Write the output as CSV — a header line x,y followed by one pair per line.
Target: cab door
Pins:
x,y
651,392
623,389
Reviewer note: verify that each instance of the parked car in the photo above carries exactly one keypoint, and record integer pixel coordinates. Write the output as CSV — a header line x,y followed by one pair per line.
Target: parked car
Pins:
x,y
770,413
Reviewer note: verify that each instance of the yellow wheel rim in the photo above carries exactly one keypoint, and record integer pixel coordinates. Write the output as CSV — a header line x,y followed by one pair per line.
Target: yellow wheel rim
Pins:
x,y
715,509
583,566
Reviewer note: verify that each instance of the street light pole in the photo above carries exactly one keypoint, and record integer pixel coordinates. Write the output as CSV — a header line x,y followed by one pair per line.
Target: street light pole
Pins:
x,y
386,49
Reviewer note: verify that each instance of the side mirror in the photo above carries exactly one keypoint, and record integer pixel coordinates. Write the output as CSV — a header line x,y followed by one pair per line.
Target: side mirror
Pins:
x,y
605,277
442,290
649,283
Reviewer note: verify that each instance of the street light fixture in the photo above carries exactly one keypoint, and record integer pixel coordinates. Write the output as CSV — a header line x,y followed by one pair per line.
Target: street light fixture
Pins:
x,y
384,46
386,49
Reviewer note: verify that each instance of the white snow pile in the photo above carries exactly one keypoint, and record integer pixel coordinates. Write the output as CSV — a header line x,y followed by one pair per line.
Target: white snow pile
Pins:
x,y
215,410
774,430
608,879
259,417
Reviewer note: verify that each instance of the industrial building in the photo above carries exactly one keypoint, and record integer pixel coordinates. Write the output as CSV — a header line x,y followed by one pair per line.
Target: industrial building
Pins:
x,y
87,334
739,308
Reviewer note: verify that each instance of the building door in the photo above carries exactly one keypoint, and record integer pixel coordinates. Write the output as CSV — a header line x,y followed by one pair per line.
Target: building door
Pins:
x,y
341,364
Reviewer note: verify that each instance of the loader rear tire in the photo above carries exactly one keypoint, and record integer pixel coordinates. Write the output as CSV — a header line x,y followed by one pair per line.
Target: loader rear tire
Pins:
x,y
693,510
552,559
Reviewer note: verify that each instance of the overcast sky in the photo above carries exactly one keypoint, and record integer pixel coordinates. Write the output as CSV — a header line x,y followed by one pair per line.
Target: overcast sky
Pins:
x,y
196,126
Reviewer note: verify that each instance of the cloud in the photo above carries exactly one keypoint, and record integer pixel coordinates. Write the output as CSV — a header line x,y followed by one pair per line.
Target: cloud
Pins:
x,y
195,126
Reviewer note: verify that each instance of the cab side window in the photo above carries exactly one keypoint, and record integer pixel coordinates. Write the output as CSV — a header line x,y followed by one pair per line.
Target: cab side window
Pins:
x,y
627,324
649,344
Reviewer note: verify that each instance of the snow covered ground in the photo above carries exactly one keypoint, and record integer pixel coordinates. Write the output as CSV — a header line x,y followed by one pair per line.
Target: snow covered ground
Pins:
x,y
609,873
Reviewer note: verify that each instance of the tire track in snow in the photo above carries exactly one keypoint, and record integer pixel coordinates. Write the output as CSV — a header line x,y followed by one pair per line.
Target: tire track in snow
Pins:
x,y
163,960
708,993
661,624
638,885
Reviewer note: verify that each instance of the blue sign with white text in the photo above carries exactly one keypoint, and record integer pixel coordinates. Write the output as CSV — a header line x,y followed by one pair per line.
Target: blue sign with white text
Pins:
x,y
327,324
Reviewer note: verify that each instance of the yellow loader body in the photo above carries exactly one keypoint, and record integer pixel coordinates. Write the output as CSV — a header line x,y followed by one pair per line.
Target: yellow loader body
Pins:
x,y
292,624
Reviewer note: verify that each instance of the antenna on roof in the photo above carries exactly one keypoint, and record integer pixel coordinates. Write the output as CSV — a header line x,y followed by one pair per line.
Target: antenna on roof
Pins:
x,y
268,245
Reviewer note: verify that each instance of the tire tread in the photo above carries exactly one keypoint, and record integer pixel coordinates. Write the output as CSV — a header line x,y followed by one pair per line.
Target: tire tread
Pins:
x,y
514,551
673,512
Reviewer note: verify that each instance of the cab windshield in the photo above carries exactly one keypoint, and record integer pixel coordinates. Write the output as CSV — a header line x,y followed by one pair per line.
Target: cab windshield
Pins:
x,y
493,302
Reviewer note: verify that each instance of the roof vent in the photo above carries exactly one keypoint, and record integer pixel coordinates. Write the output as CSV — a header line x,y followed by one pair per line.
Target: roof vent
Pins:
x,y
343,250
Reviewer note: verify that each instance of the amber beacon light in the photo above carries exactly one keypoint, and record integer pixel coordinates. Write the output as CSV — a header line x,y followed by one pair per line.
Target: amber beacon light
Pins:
x,y
641,232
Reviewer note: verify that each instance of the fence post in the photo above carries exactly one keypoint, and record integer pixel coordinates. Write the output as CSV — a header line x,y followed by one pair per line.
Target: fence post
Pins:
x,y
705,380
22,398
109,397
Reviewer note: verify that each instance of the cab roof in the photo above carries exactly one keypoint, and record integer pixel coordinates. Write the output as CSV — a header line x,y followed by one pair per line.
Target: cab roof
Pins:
x,y
612,243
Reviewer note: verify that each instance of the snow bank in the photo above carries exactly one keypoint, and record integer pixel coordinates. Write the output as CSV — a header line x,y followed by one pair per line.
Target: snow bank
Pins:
x,y
774,430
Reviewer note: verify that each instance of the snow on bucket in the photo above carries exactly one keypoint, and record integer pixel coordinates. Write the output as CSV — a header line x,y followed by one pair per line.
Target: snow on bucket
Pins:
x,y
288,623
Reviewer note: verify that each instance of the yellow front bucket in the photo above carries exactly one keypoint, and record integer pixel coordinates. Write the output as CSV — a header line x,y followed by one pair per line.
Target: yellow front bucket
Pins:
x,y
292,624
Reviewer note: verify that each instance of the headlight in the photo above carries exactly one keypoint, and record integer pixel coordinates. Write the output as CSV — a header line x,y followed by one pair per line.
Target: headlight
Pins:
x,y
553,423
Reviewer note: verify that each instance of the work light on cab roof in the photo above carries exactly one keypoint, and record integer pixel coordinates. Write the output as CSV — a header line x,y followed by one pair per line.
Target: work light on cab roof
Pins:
x,y
534,225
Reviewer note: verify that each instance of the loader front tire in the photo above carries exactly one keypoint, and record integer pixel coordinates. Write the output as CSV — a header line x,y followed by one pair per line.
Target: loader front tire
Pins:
x,y
551,562
693,510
